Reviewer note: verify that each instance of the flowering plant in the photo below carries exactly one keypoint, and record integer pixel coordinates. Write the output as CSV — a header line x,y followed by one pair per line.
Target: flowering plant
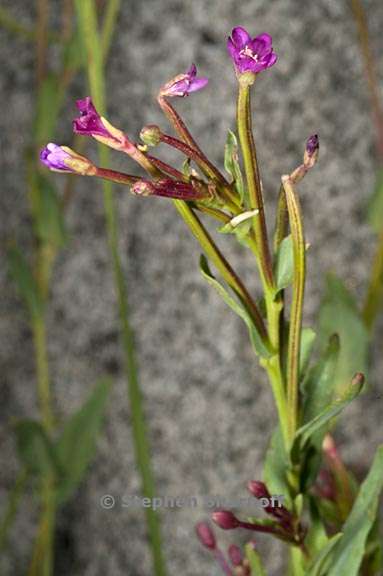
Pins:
x,y
327,519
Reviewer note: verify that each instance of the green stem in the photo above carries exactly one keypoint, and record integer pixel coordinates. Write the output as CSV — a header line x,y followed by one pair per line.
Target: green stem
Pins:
x,y
12,506
222,265
88,25
294,340
108,25
253,181
199,157
375,290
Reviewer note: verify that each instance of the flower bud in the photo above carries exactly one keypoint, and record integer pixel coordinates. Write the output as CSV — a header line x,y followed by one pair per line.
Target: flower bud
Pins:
x,y
258,489
206,535
64,159
311,152
151,135
225,520
235,555
183,84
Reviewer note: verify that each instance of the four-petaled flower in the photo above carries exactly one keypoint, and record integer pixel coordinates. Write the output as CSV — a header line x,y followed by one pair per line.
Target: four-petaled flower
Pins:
x,y
64,159
184,84
90,123
250,55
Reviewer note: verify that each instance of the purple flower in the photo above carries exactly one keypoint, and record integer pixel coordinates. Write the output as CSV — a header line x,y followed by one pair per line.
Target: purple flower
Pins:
x,y
54,157
90,123
184,84
312,145
64,159
250,55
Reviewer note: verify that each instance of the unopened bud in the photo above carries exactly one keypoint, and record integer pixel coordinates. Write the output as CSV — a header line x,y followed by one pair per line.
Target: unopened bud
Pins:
x,y
258,489
312,151
235,555
151,135
225,520
206,535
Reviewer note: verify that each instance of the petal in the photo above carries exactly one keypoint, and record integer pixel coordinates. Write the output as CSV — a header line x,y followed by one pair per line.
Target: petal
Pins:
x,y
240,37
197,84
265,38
271,59
233,51
192,72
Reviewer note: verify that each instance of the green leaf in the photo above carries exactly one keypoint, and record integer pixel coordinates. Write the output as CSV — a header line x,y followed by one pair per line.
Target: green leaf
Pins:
x,y
284,264
236,306
74,55
49,100
256,565
50,225
320,563
308,338
22,275
375,205
347,555
318,387
339,315
77,444
232,166
304,433
276,466
35,448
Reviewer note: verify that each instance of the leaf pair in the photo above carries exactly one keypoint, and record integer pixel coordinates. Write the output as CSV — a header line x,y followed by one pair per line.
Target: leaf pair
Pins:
x,y
68,457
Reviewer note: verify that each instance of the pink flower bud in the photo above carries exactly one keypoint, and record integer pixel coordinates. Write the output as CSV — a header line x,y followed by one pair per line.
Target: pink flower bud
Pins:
x,y
225,520
235,555
258,489
206,535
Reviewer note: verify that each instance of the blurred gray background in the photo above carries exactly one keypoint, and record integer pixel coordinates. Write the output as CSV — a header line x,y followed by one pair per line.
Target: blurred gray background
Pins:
x,y
209,408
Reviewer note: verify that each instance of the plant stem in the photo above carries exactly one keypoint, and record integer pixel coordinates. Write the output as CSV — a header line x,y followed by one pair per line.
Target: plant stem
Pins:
x,y
375,289
108,25
294,341
88,25
253,182
222,265
12,506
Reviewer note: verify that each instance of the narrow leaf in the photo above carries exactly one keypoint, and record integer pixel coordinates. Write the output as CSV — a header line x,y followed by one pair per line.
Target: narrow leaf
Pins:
x,y
77,444
284,264
25,281
339,315
236,306
348,552
35,448
276,467
50,225
304,433
319,565
375,205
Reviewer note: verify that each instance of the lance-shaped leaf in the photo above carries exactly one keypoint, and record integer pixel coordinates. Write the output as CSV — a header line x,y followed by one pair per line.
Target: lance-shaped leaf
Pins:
x,y
318,387
26,283
347,554
232,166
276,467
319,565
306,431
284,264
238,307
35,449
340,315
77,444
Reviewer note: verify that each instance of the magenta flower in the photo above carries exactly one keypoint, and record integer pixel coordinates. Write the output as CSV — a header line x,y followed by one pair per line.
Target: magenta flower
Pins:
x,y
250,55
312,145
90,123
184,84
64,159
